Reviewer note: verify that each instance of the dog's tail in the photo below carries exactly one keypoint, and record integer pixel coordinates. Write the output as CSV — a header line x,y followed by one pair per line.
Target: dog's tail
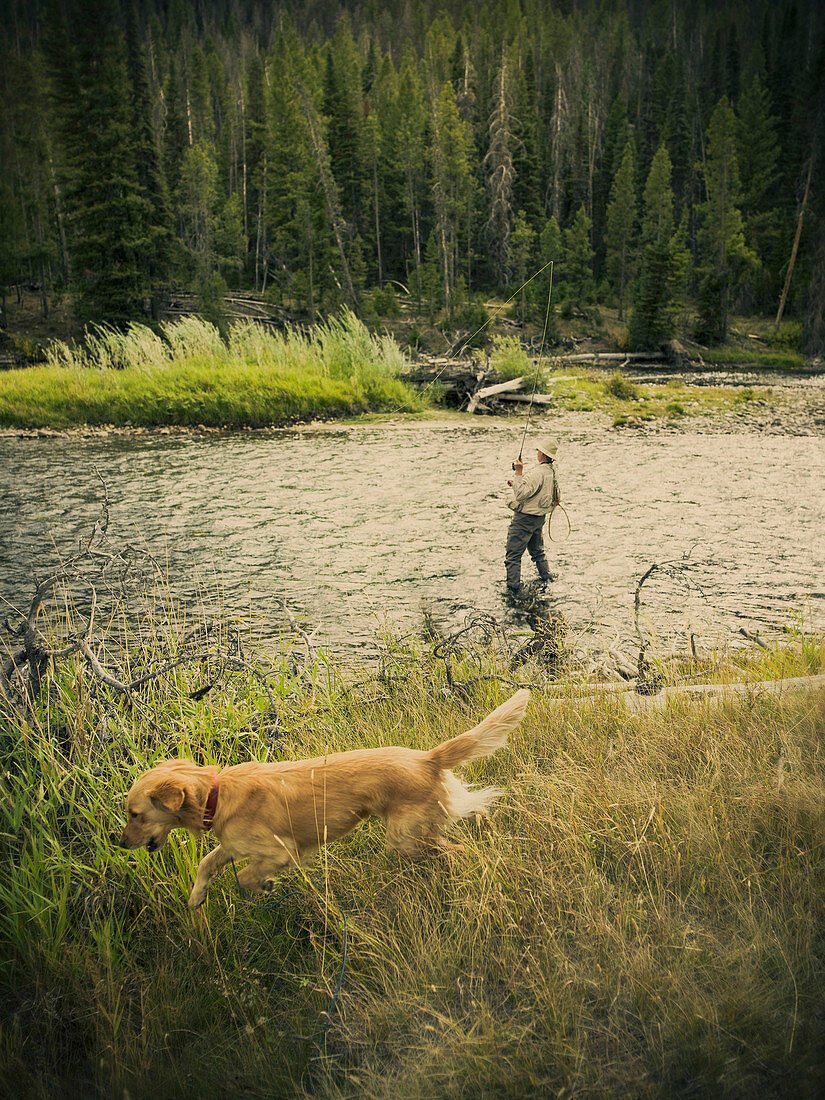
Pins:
x,y
484,738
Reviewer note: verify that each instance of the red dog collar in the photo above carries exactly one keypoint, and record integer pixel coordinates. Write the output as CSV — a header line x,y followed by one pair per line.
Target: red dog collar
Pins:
x,y
211,804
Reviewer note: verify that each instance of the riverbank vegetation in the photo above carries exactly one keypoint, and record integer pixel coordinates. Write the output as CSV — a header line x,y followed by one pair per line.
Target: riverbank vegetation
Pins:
x,y
189,375
327,155
640,915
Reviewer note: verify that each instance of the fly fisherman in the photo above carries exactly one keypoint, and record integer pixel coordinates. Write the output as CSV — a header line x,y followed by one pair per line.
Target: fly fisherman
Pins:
x,y
534,495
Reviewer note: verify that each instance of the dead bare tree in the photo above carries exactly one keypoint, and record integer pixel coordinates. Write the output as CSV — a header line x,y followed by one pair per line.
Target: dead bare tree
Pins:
x,y
118,576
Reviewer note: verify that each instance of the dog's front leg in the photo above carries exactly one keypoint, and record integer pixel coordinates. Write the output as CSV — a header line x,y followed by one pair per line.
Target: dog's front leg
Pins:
x,y
207,868
261,875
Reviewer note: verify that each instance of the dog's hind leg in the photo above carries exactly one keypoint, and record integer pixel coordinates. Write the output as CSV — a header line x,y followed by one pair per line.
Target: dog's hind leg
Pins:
x,y
419,831
207,868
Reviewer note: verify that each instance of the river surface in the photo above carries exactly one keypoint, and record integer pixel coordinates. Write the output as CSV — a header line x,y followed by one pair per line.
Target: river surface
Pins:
x,y
357,527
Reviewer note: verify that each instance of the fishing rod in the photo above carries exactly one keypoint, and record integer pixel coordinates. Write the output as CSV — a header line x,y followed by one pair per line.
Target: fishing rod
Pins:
x,y
556,501
538,363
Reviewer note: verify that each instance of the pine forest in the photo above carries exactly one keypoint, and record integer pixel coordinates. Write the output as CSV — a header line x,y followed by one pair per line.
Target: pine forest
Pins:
x,y
666,155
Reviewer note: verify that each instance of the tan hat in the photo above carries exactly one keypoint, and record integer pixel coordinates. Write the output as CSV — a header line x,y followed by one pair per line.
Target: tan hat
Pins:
x,y
547,445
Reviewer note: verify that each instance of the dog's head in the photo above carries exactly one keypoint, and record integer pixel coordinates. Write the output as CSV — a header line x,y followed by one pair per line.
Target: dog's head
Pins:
x,y
157,804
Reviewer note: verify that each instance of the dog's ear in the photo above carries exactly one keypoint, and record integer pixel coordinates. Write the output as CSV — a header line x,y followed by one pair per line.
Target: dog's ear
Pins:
x,y
169,793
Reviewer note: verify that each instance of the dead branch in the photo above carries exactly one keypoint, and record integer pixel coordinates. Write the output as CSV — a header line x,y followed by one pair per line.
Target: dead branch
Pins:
x,y
97,566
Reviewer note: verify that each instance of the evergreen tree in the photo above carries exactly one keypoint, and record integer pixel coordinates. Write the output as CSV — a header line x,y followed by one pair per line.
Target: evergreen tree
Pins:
x,y
255,164
230,240
343,107
157,258
617,134
344,165
527,185
498,165
199,98
174,138
724,257
621,226
108,217
520,259
657,222
33,231
297,221
578,260
662,262
380,135
411,114
452,183
758,154
12,245
315,128
550,248
197,201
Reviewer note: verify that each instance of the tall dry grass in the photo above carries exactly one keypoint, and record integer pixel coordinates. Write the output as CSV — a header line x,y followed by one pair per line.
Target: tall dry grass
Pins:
x,y
642,915
188,375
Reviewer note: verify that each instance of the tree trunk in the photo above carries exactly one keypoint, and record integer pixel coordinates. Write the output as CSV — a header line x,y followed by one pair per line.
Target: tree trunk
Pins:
x,y
61,228
44,298
795,248
328,186
377,221
416,238
243,169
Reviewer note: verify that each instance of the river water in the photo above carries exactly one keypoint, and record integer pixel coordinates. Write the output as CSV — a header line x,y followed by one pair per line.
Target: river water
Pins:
x,y
357,527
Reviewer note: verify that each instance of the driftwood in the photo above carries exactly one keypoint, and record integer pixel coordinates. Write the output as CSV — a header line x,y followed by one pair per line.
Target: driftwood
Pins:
x,y
97,568
716,694
489,391
613,356
465,381
235,307
708,695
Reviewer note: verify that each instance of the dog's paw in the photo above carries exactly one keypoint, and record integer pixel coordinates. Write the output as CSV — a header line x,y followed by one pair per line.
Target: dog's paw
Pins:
x,y
268,886
449,848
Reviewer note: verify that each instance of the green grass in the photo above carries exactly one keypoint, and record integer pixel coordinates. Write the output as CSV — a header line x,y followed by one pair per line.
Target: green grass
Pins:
x,y
190,377
626,401
765,359
642,915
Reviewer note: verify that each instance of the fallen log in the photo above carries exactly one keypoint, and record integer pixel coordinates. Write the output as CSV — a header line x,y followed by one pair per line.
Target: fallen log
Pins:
x,y
537,398
716,694
612,356
710,695
506,391
489,391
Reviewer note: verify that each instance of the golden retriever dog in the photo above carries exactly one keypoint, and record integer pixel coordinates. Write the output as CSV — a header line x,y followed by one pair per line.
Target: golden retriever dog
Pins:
x,y
275,815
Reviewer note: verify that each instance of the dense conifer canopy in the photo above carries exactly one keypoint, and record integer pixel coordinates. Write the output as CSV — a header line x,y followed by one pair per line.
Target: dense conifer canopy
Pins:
x,y
320,153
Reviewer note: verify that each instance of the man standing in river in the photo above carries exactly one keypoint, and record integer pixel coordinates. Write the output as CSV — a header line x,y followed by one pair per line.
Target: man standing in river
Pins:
x,y
533,497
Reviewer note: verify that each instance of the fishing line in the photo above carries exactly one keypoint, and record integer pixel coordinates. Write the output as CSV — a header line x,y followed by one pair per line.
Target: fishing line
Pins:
x,y
454,356
506,303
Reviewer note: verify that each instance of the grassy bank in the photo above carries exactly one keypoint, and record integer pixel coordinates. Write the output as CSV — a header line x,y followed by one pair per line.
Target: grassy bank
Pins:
x,y
583,389
190,376
642,915
670,402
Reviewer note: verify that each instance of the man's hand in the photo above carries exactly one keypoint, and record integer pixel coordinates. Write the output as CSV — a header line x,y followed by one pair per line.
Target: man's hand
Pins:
x,y
518,466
